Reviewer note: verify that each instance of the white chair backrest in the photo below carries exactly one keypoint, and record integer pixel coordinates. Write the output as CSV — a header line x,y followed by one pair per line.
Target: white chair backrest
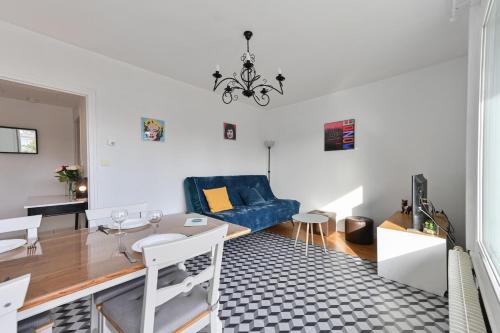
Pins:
x,y
162,255
28,223
102,216
12,294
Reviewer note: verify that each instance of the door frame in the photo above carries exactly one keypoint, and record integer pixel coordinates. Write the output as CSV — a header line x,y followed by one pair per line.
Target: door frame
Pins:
x,y
90,125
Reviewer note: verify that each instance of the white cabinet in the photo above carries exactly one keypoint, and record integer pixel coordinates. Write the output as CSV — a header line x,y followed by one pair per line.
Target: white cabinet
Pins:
x,y
412,258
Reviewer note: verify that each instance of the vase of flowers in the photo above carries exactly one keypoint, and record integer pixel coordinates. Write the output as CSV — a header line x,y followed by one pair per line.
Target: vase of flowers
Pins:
x,y
69,174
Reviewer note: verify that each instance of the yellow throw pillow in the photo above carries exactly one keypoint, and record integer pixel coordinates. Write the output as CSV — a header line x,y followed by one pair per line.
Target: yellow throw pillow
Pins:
x,y
217,199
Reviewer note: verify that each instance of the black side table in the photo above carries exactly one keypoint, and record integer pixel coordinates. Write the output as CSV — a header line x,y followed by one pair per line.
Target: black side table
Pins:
x,y
53,205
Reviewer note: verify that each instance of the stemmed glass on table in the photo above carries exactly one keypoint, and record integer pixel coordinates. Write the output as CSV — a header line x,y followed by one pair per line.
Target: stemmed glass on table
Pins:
x,y
119,216
154,217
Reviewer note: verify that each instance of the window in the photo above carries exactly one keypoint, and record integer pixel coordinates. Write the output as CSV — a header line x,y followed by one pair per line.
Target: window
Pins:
x,y
27,141
489,167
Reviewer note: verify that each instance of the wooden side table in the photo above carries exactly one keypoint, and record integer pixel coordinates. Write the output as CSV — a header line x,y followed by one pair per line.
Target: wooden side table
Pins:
x,y
329,227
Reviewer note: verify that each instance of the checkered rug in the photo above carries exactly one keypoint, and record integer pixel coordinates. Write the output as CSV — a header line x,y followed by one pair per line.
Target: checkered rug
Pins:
x,y
72,317
267,285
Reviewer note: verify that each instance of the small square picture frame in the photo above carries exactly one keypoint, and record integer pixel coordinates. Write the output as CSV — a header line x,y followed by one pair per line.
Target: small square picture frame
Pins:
x,y
229,131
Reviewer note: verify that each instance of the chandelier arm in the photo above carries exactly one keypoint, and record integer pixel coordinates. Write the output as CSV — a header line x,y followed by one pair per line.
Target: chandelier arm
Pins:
x,y
267,99
270,87
227,96
231,79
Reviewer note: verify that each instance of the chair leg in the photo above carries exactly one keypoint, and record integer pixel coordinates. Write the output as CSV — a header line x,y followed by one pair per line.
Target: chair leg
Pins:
x,y
106,326
94,316
100,323
215,325
297,236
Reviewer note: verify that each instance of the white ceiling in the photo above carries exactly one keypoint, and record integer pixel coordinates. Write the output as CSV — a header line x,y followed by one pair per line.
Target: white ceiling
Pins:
x,y
33,94
321,45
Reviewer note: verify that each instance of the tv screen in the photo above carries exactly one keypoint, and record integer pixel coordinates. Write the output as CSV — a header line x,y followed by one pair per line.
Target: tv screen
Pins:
x,y
418,192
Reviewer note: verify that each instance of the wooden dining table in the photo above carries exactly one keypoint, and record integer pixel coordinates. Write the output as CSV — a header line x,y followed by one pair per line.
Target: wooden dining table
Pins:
x,y
69,265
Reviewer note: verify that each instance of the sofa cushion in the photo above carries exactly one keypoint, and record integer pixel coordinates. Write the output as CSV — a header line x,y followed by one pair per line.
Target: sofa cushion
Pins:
x,y
218,199
251,196
260,216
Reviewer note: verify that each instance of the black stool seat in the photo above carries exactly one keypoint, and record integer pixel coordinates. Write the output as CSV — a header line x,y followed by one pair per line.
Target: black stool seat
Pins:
x,y
359,229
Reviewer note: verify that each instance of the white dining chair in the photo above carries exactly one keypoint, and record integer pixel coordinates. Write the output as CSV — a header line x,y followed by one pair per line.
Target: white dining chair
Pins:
x,y
28,223
175,302
96,218
12,294
102,216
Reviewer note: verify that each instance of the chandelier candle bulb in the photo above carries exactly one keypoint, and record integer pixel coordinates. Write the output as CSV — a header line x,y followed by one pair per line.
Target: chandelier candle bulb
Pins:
x,y
279,71
217,68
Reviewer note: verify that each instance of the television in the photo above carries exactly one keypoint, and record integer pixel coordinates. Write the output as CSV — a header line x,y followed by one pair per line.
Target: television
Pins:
x,y
418,193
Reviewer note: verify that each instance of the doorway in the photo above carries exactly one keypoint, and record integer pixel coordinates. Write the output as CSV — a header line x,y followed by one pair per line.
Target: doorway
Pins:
x,y
59,120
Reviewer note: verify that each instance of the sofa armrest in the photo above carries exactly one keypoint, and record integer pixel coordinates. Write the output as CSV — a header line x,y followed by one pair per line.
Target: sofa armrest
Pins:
x,y
193,203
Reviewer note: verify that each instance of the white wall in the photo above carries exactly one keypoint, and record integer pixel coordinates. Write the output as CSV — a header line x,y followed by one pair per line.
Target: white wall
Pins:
x,y
22,176
405,125
141,171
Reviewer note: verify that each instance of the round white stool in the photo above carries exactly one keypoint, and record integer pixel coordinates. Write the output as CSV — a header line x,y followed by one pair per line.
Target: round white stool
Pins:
x,y
310,219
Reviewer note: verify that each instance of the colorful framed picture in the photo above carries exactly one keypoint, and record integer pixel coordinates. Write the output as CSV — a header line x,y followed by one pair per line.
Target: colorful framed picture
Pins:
x,y
152,129
340,135
229,131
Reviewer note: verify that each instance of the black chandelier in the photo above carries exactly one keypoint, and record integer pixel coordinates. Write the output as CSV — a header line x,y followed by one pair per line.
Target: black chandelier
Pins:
x,y
248,85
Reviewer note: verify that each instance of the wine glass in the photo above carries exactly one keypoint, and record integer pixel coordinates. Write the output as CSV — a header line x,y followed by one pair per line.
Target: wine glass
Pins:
x,y
154,217
119,216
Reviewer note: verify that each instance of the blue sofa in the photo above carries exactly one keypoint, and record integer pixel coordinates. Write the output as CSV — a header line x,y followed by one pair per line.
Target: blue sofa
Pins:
x,y
256,217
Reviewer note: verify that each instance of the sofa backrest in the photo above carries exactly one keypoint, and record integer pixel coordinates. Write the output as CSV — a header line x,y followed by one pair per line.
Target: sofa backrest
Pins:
x,y
194,186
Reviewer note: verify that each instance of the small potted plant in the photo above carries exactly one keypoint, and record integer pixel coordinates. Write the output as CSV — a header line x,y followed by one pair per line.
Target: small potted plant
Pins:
x,y
430,227
69,174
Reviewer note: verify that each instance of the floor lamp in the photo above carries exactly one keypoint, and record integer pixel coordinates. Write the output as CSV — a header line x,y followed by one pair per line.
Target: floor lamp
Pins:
x,y
269,144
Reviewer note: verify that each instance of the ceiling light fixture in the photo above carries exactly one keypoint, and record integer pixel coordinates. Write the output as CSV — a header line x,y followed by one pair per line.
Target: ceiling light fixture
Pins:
x,y
248,85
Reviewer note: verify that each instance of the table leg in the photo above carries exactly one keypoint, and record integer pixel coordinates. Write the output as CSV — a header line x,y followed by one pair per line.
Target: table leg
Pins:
x,y
312,235
322,237
307,237
297,236
76,221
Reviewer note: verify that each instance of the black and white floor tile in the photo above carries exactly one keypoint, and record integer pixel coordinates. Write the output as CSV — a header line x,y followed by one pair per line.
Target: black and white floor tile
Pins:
x,y
267,285
72,317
